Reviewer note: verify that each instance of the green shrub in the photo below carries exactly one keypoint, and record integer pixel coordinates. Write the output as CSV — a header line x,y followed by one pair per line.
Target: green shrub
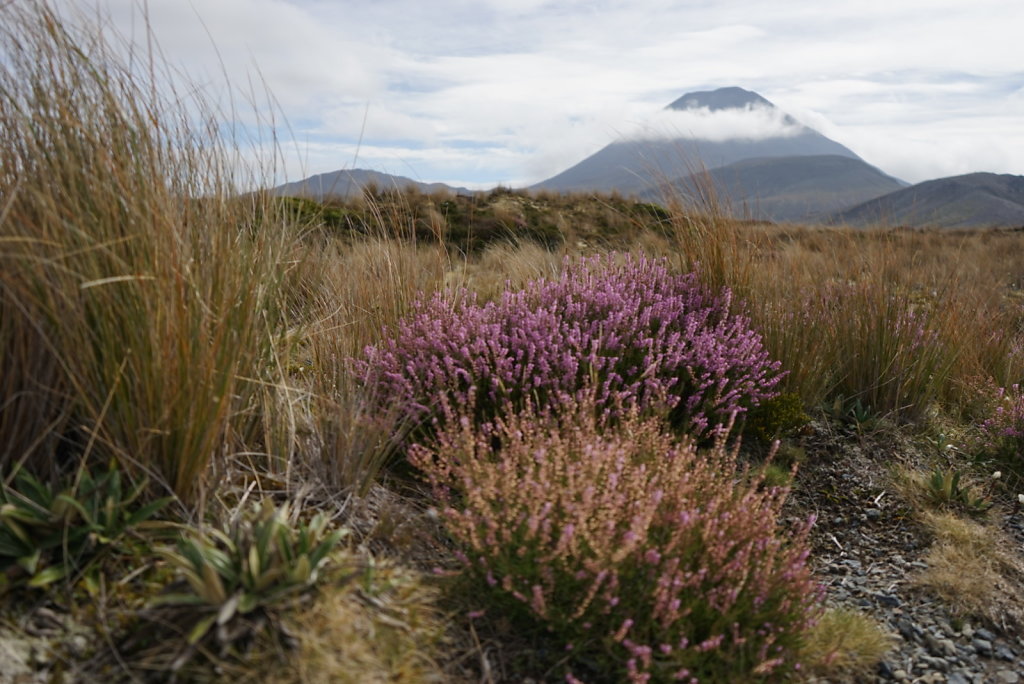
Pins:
x,y
776,417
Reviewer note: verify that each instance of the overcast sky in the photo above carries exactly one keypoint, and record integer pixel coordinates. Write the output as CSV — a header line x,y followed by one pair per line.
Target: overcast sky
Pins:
x,y
481,92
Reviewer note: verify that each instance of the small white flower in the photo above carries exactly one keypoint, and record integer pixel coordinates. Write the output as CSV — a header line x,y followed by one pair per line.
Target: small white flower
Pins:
x,y
1020,498
996,475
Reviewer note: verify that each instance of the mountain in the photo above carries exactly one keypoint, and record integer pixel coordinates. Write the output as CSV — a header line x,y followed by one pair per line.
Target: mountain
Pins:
x,y
787,188
973,200
722,98
634,165
346,184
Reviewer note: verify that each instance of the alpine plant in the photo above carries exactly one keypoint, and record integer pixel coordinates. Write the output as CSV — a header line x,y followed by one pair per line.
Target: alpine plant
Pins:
x,y
620,329
639,556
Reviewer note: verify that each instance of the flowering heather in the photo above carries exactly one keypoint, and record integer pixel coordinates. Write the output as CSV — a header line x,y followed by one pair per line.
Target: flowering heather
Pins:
x,y
659,563
1003,432
621,329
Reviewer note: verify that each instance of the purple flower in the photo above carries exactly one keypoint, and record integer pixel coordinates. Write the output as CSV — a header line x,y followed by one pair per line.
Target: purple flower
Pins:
x,y
619,329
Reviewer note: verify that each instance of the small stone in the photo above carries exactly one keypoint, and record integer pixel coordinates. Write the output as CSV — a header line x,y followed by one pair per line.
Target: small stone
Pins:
x,y
1005,653
957,677
78,646
900,675
907,629
935,663
873,513
982,646
940,647
887,600
966,630
983,633
1007,677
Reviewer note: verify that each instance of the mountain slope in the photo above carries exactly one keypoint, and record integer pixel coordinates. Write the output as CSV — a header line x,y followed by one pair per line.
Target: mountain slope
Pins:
x,y
631,166
349,183
969,201
789,188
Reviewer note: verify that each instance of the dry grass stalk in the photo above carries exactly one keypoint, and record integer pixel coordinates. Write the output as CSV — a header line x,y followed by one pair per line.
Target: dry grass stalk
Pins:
x,y
971,569
844,644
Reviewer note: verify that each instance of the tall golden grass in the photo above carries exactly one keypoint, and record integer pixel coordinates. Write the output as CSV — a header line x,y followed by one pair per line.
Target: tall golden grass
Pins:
x,y
139,288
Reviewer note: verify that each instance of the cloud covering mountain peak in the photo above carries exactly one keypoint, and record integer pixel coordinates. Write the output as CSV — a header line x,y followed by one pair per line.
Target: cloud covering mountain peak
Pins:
x,y
731,97
751,121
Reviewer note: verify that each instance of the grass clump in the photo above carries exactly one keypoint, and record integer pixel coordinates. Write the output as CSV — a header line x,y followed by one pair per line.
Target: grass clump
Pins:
x,y
844,645
382,625
631,550
970,569
138,286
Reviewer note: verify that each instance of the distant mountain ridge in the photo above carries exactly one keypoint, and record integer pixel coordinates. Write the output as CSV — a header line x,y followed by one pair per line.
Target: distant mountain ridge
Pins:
x,y
719,99
636,166
350,183
787,188
972,200
796,176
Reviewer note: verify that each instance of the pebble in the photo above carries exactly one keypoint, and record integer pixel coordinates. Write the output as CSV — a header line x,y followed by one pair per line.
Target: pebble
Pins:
x,y
983,633
982,646
1005,653
1008,676
890,601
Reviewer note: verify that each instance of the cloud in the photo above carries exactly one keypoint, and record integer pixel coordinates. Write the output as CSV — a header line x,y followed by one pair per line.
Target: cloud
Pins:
x,y
749,123
548,83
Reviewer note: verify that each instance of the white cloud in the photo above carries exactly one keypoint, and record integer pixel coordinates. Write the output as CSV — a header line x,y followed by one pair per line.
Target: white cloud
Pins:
x,y
917,87
750,123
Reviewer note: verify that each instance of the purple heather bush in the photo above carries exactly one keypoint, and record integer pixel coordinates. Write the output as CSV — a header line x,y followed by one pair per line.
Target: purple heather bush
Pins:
x,y
621,329
641,556
1003,432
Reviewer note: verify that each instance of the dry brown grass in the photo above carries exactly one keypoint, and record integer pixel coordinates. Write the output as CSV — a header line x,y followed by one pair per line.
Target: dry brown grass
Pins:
x,y
505,265
138,287
843,645
381,624
971,569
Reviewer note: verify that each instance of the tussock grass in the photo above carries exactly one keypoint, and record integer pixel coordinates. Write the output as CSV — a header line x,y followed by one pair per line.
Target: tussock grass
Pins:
x,y
971,569
386,626
843,645
139,289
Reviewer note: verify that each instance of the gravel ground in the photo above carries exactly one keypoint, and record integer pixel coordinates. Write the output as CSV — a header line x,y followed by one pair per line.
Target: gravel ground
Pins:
x,y
868,549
